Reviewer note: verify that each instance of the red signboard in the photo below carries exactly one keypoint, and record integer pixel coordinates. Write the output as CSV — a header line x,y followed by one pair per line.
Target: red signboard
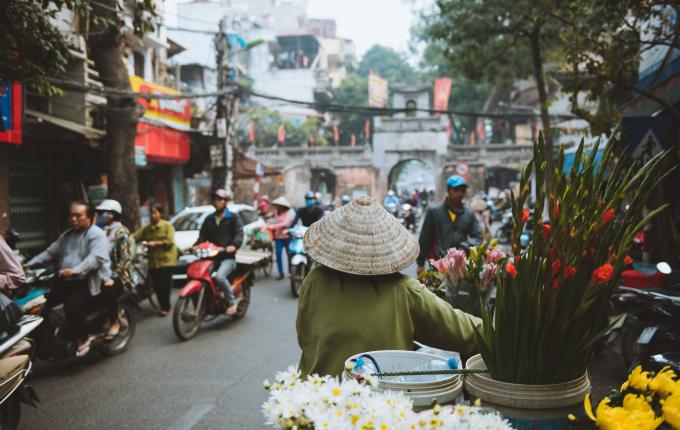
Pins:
x,y
11,107
163,144
442,91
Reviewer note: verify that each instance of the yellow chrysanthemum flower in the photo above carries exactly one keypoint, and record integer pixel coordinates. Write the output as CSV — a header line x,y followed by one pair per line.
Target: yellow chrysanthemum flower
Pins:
x,y
665,382
636,414
639,379
671,410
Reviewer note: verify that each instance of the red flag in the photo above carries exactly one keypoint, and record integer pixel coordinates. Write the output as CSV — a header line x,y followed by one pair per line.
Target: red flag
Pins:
x,y
367,130
480,130
354,139
251,132
281,135
472,138
448,129
442,91
336,134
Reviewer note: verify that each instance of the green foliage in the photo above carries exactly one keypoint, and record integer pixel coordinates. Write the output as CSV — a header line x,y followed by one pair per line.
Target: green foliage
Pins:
x,y
388,63
353,91
549,316
266,123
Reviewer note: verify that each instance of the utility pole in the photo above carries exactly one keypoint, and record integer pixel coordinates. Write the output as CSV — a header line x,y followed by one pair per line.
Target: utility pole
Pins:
x,y
222,154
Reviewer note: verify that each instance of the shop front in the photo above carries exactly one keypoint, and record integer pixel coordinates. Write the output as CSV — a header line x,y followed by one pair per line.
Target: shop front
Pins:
x,y
162,146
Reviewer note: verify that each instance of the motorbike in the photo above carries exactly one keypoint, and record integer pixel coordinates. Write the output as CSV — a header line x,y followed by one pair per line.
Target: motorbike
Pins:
x,y
652,322
53,342
16,352
139,275
300,263
200,301
409,217
504,232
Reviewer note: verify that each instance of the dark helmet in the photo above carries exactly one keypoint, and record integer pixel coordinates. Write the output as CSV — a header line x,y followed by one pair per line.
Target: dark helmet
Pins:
x,y
309,195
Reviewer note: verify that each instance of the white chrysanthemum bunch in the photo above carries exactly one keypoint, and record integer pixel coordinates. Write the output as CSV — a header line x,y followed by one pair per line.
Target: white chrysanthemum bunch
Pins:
x,y
326,403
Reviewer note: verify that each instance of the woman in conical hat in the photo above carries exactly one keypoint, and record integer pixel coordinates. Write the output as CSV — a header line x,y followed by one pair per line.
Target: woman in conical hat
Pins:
x,y
356,300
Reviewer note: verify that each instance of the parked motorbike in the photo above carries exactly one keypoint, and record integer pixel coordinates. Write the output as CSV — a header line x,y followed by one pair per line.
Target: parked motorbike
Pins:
x,y
409,217
300,263
16,352
53,341
652,322
200,300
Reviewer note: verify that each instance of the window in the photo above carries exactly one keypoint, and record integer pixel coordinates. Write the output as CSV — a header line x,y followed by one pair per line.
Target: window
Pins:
x,y
188,222
411,106
139,64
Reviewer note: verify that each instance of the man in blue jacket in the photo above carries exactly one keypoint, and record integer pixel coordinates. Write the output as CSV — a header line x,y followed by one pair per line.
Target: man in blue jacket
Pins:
x,y
449,225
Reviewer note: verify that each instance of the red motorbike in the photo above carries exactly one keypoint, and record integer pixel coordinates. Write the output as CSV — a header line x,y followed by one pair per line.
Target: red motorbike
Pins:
x,y
200,300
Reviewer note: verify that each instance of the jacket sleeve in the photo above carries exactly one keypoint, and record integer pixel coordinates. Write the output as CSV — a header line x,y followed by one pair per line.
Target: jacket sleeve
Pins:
x,y
437,324
98,254
426,234
237,238
49,255
138,236
201,232
13,275
169,237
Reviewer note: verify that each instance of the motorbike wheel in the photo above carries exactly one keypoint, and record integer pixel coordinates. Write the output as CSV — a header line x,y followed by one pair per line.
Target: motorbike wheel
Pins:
x,y
269,265
297,275
10,413
244,302
128,324
187,315
629,348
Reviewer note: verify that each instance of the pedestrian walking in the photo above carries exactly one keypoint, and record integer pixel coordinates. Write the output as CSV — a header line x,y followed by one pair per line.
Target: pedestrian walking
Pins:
x,y
356,300
449,225
160,237
283,219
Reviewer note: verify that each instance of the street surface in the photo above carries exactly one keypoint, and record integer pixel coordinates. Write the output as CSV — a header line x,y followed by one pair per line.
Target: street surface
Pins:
x,y
210,382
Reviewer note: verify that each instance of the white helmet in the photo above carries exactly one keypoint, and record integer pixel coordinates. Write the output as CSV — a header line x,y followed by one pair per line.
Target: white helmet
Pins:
x,y
390,193
110,206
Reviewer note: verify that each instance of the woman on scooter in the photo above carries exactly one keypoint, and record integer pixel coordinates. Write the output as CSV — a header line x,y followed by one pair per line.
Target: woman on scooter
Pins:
x,y
160,238
282,221
109,213
356,300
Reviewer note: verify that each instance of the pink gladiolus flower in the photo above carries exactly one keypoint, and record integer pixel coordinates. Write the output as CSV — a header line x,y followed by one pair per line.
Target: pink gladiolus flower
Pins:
x,y
487,275
494,256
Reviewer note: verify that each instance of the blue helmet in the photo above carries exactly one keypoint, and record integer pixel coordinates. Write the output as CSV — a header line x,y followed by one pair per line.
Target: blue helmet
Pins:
x,y
456,181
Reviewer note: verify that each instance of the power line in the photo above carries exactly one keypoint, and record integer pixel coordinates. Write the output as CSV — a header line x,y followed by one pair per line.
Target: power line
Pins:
x,y
324,107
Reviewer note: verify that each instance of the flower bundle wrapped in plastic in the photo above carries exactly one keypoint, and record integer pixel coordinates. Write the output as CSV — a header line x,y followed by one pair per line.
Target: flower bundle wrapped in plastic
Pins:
x,y
646,401
551,302
326,403
469,278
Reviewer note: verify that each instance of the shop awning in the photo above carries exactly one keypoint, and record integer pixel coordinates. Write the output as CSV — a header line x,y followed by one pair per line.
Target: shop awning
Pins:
x,y
246,167
88,132
163,145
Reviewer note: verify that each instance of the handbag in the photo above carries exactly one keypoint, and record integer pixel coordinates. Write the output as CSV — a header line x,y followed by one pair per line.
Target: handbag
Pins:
x,y
10,315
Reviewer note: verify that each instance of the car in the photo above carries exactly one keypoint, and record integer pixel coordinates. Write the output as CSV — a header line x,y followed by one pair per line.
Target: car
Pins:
x,y
188,221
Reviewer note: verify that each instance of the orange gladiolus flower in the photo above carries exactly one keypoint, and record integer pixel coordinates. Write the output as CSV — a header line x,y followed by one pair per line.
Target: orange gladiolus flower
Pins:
x,y
525,215
627,260
608,215
603,274
546,231
511,270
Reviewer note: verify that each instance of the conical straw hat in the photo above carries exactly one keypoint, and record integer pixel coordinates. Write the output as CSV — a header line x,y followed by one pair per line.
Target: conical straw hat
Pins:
x,y
361,238
282,201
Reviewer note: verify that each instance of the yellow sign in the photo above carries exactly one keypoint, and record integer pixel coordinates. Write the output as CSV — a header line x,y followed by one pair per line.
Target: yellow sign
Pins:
x,y
172,112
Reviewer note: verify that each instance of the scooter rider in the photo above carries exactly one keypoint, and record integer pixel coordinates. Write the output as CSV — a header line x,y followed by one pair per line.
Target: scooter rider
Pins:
x,y
391,199
109,213
345,199
81,254
223,228
310,213
448,225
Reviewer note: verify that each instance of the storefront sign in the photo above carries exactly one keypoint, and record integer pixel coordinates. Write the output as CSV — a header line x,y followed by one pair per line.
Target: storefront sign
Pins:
x,y
11,112
216,156
174,113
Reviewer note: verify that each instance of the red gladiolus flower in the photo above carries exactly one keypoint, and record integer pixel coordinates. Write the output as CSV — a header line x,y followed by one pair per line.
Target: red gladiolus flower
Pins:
x,y
555,285
608,215
627,260
569,271
603,274
517,259
556,209
557,264
546,231
511,270
525,215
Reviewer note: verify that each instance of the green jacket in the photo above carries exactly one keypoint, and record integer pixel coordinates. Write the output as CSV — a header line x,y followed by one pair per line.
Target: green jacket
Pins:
x,y
161,256
340,315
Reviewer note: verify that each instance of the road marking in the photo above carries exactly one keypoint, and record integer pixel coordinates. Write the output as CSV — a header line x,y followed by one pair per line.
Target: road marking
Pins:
x,y
192,417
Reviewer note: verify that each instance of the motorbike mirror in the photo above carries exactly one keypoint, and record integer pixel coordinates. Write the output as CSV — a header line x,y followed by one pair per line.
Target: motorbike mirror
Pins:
x,y
664,268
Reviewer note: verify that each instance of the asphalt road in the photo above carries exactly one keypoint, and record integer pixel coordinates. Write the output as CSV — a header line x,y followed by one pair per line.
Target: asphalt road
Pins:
x,y
212,381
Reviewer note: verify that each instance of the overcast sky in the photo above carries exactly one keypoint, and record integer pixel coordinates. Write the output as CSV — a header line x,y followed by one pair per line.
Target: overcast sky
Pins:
x,y
367,22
